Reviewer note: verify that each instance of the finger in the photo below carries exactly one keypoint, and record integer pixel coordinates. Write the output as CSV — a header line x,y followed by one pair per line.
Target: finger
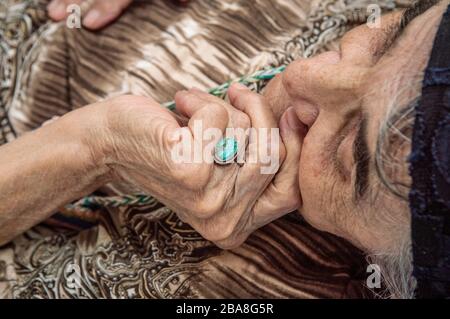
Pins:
x,y
238,123
57,9
232,242
237,118
283,194
252,104
103,12
210,116
292,132
192,104
251,181
187,104
207,121
265,150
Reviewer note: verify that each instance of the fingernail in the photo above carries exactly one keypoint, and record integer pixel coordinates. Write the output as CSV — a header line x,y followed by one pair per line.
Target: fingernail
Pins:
x,y
91,18
292,119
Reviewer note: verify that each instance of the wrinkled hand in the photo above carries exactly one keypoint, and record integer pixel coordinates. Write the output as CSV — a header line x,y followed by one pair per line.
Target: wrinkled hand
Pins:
x,y
228,212
225,204
99,13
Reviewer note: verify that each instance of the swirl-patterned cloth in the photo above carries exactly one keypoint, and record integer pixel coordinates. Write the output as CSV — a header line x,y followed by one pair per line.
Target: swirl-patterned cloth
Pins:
x,y
155,49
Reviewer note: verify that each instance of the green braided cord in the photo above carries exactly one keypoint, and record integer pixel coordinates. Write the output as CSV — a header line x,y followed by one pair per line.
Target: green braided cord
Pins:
x,y
93,202
221,90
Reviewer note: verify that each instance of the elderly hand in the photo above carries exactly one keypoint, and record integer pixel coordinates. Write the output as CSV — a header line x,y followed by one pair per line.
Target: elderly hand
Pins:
x,y
99,12
247,200
223,203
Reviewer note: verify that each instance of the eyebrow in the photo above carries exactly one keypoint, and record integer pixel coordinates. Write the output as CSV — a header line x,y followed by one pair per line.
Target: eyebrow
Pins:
x,y
361,152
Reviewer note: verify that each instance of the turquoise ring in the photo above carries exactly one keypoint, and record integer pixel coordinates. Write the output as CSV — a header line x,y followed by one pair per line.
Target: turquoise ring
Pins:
x,y
226,151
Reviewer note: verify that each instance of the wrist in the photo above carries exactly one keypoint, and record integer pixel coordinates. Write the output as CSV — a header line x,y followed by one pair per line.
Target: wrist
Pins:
x,y
85,128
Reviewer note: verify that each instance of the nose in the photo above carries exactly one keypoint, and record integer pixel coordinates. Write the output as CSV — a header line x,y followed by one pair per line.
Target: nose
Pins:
x,y
324,82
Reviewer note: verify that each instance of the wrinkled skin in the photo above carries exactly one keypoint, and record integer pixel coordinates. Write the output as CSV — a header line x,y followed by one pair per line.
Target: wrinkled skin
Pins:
x,y
335,88
130,139
218,201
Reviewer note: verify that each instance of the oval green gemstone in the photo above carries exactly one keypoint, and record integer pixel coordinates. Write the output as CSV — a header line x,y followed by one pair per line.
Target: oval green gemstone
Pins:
x,y
226,149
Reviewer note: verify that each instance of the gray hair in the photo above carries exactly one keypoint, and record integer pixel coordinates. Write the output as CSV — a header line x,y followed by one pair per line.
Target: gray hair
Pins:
x,y
392,169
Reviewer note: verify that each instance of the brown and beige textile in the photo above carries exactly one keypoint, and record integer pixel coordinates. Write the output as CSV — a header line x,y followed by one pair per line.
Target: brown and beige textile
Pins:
x,y
155,49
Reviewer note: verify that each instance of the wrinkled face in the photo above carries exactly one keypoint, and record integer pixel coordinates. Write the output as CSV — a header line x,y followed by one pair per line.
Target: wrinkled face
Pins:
x,y
343,97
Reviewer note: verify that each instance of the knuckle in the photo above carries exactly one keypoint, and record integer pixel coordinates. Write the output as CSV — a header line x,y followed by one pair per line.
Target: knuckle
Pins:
x,y
251,97
219,232
242,120
190,99
230,243
292,203
228,231
288,199
206,209
211,204
206,109
218,109
244,97
190,176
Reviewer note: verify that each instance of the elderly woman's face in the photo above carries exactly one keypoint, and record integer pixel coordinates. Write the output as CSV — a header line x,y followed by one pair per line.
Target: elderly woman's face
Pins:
x,y
343,97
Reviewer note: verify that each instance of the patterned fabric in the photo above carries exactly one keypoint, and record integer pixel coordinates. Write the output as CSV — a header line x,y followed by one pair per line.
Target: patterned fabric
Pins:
x,y
19,21
155,49
430,171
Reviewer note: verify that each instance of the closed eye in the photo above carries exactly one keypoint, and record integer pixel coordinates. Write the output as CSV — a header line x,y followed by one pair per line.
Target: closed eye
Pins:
x,y
361,158
351,121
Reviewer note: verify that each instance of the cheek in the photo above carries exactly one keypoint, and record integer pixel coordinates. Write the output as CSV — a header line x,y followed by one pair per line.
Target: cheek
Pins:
x,y
314,182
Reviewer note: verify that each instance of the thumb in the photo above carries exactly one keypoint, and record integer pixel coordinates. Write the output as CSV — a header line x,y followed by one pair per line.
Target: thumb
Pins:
x,y
292,132
282,196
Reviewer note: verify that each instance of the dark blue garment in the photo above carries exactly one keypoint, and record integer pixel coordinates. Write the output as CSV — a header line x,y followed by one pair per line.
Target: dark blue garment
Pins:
x,y
430,171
